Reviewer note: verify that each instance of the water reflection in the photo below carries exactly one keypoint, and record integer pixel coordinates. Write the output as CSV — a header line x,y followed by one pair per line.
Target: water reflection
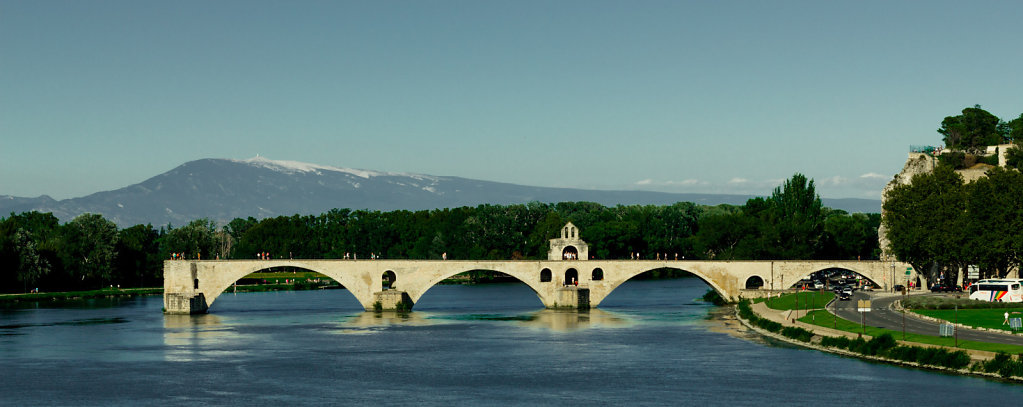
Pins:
x,y
190,338
554,320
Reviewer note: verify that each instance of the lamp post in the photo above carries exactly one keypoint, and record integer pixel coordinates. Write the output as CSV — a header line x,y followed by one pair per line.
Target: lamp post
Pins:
x,y
893,277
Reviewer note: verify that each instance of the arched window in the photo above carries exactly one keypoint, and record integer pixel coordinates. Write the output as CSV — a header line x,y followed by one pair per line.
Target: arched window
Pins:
x,y
754,283
570,253
598,274
545,275
388,280
571,277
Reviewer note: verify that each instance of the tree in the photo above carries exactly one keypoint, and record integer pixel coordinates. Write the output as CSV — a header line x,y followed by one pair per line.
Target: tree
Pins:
x,y
138,255
995,217
974,129
31,266
88,249
198,239
926,221
797,215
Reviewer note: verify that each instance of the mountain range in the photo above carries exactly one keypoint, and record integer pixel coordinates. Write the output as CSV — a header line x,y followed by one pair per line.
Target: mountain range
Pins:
x,y
223,189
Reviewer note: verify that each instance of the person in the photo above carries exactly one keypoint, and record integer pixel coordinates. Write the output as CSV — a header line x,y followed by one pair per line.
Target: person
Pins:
x,y
444,256
1006,322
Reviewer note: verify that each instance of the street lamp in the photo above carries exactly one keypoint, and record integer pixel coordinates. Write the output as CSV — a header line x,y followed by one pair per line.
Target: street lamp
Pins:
x,y
893,277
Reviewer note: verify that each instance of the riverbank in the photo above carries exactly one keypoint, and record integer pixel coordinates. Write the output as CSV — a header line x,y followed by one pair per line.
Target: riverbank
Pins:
x,y
78,295
981,363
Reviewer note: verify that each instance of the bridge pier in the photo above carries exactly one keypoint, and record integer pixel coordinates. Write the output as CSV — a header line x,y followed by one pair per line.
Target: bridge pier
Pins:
x,y
391,300
185,303
572,297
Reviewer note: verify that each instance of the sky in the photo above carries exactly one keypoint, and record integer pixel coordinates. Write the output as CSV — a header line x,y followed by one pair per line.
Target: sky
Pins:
x,y
675,96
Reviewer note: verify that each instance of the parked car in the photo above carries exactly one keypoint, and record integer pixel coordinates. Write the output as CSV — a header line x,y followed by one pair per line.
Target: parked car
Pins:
x,y
899,287
942,288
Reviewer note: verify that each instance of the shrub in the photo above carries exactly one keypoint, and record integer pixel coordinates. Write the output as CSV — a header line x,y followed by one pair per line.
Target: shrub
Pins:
x,y
857,345
797,333
879,345
840,342
1004,365
905,353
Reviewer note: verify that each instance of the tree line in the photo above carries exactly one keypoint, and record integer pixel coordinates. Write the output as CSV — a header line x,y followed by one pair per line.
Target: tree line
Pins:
x,y
940,224
91,252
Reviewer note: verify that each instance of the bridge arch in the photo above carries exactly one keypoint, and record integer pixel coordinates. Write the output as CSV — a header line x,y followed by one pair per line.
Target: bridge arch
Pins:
x,y
212,288
388,279
615,278
571,276
859,272
529,282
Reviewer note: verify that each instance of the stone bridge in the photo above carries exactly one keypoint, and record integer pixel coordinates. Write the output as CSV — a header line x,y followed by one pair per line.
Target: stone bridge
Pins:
x,y
193,286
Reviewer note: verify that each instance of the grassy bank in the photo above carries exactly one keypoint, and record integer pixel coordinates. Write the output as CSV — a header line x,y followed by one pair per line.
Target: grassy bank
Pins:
x,y
76,295
977,318
884,347
800,300
826,319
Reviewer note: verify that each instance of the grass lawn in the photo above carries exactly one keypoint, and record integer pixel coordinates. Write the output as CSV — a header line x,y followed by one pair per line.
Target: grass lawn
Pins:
x,y
827,320
982,318
806,300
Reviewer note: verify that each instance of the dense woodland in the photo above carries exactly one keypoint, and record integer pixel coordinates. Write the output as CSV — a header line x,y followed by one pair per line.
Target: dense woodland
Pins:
x,y
36,251
941,225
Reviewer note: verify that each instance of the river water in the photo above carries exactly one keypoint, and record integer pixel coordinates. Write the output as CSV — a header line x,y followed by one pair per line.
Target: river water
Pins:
x,y
650,343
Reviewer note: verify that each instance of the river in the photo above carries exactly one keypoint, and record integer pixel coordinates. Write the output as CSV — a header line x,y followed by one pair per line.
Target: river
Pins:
x,y
649,343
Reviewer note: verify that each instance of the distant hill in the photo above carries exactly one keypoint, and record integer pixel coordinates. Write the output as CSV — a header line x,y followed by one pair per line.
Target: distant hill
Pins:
x,y
222,190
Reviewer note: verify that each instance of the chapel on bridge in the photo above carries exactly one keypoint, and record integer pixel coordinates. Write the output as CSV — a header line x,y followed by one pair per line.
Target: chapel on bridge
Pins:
x,y
569,246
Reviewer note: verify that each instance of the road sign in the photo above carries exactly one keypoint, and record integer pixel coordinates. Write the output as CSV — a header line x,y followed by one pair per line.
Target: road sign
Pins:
x,y
972,272
946,330
863,305
1015,324
909,270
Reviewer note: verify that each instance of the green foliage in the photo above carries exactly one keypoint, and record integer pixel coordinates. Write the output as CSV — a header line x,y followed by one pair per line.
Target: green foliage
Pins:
x,y
1004,365
974,129
88,249
1014,155
797,333
713,297
926,219
791,224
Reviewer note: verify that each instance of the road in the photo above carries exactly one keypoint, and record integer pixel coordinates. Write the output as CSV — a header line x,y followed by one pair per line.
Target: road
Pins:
x,y
882,315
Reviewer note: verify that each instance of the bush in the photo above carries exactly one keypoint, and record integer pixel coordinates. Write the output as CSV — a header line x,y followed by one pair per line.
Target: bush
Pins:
x,y
797,333
1004,365
905,353
879,345
840,342
857,345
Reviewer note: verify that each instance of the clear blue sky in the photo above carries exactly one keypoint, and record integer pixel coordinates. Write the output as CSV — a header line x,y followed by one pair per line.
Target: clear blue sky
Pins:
x,y
679,96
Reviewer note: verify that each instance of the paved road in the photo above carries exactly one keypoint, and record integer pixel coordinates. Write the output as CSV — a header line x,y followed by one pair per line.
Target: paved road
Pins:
x,y
883,316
